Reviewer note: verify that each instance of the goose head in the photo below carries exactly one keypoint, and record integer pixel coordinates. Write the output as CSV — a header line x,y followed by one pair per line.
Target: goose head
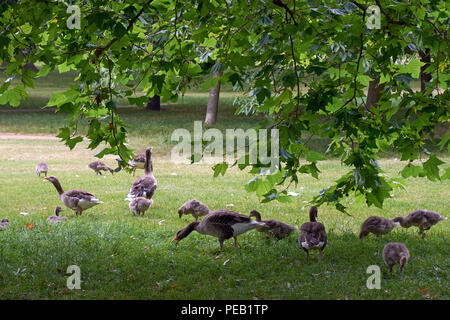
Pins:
x,y
183,233
56,183
255,214
399,220
58,209
313,214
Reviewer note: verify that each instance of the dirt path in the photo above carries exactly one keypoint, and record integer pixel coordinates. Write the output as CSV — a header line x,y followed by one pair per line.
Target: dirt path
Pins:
x,y
24,136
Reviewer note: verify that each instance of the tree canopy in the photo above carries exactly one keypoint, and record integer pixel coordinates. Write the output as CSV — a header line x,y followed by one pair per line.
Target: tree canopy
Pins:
x,y
312,67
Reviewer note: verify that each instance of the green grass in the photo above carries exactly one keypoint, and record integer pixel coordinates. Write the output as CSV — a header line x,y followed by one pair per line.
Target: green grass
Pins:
x,y
123,256
45,87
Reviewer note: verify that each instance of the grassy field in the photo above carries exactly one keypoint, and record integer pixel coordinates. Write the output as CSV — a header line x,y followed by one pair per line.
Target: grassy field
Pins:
x,y
123,256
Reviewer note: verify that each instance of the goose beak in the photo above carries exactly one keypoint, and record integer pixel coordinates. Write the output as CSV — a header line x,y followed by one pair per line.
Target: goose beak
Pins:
x,y
175,239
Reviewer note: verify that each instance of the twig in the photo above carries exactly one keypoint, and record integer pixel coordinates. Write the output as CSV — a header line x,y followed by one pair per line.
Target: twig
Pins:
x,y
281,4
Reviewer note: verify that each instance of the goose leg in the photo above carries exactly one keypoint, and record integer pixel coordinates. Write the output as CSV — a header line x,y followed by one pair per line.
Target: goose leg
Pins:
x,y
320,255
235,242
307,255
134,170
221,243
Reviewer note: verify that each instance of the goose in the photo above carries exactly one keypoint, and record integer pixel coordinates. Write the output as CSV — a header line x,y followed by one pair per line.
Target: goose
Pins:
x,y
274,228
195,208
376,225
138,162
420,218
144,186
56,218
41,167
77,200
99,166
222,224
312,234
140,205
3,224
395,253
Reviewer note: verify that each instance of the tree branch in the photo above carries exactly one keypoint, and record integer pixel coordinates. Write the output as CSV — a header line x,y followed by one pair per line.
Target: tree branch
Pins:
x,y
281,4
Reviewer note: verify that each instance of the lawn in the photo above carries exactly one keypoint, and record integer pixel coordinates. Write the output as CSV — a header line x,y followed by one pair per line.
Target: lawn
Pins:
x,y
122,256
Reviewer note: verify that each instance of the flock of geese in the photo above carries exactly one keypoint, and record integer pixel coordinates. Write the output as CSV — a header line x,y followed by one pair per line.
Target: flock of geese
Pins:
x,y
227,224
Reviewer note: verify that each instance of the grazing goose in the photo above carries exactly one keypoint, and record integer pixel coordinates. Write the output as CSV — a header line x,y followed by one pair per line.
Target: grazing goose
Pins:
x,y
41,167
195,208
420,218
274,228
222,224
140,205
376,225
99,166
3,224
395,253
312,234
138,162
56,218
144,186
77,200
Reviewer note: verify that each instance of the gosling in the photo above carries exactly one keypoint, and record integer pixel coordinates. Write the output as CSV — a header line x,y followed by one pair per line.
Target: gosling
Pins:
x,y
395,253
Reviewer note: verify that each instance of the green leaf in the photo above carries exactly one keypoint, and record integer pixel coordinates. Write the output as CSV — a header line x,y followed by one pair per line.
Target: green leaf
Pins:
x,y
431,167
220,168
313,156
411,170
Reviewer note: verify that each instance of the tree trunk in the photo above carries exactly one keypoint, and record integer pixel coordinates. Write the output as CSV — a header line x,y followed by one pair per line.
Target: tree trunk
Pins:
x,y
374,93
424,77
213,102
154,103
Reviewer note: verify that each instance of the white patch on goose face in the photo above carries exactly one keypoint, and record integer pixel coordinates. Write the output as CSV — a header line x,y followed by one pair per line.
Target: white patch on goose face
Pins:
x,y
396,224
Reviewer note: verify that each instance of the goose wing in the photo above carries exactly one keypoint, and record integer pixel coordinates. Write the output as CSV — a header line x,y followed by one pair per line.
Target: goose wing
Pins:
x,y
226,223
313,234
143,187
80,198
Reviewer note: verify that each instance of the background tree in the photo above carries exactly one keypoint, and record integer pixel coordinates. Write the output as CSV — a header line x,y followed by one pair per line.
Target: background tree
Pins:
x,y
313,68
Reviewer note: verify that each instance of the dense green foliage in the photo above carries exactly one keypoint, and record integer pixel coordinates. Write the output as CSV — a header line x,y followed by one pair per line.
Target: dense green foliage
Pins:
x,y
309,67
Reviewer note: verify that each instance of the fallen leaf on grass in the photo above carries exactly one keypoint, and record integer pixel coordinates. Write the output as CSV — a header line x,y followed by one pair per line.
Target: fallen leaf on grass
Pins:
x,y
226,261
24,213
29,226
425,292
161,221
